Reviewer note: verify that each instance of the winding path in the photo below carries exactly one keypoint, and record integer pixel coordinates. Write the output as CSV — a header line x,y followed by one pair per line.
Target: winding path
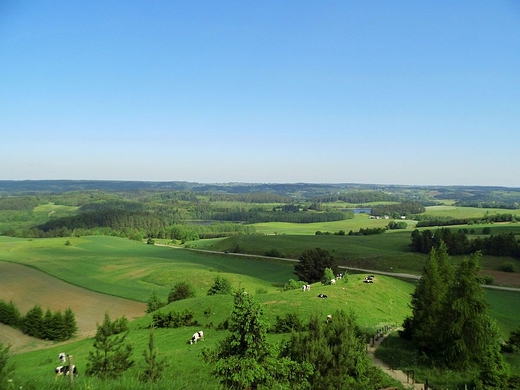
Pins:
x,y
396,374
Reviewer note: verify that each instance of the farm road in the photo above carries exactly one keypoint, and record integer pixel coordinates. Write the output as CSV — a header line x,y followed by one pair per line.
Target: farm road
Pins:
x,y
361,270
28,287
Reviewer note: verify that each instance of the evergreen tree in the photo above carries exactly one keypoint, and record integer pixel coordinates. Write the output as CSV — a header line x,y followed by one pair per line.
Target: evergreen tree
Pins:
x,y
469,336
312,264
181,290
69,324
154,302
111,356
337,351
221,285
32,323
6,369
9,313
154,366
428,299
246,360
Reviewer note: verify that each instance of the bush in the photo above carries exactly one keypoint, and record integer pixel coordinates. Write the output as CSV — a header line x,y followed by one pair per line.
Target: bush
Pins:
x,y
181,290
173,319
221,285
287,324
293,285
9,314
507,267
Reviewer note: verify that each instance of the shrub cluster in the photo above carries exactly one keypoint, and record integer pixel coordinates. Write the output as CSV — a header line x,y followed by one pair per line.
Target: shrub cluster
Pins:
x,y
48,326
173,319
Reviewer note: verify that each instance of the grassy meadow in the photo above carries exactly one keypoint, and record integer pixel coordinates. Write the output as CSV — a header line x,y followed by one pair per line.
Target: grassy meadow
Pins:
x,y
129,269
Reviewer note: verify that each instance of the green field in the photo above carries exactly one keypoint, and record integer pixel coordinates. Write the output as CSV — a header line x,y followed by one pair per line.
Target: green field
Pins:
x,y
131,269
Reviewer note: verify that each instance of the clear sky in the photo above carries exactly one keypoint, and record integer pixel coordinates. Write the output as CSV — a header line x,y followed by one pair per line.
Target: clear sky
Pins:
x,y
380,92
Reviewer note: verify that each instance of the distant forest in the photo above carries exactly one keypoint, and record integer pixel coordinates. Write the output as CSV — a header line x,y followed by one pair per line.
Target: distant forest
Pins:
x,y
187,211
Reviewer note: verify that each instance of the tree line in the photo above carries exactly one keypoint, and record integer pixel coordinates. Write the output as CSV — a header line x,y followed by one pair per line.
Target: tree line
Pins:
x,y
398,210
53,326
425,220
458,243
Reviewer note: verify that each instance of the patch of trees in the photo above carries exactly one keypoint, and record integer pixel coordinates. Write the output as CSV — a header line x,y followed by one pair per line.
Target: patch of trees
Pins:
x,y
367,231
173,319
394,225
312,264
504,244
255,216
425,220
398,210
513,205
47,326
450,323
357,197
18,203
254,197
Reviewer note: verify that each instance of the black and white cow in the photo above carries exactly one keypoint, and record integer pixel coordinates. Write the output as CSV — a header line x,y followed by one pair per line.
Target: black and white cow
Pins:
x,y
306,287
322,296
63,357
197,336
64,370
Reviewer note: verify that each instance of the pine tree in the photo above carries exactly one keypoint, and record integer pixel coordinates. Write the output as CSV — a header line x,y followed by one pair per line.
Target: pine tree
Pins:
x,y
69,324
428,299
32,323
6,369
470,336
154,302
154,365
246,360
337,351
111,356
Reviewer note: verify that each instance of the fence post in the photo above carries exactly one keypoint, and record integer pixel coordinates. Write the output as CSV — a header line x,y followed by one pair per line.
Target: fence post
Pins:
x,y
71,369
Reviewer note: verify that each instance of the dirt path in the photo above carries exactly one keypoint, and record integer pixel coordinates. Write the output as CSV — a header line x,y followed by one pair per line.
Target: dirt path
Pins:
x,y
396,374
28,287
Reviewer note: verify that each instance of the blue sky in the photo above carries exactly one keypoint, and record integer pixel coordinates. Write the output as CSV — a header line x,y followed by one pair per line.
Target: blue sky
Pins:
x,y
382,92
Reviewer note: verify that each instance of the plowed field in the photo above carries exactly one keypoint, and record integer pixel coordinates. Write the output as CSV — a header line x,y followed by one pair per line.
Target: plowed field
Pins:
x,y
28,287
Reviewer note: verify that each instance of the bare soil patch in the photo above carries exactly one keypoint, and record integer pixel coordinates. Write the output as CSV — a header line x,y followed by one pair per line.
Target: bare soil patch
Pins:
x,y
509,279
28,287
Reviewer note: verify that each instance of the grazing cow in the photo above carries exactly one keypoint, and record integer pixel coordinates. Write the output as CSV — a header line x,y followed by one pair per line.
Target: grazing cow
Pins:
x,y
333,281
306,287
63,357
329,319
197,336
322,296
339,276
64,370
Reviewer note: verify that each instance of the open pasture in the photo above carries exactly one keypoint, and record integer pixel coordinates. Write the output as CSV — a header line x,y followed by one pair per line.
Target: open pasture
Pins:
x,y
130,269
466,212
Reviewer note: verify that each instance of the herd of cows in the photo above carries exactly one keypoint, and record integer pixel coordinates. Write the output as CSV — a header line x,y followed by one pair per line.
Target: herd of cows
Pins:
x,y
65,369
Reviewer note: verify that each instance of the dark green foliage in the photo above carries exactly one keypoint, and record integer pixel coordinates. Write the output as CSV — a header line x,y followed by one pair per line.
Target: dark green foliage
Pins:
x,y
173,319
428,300
397,210
32,323
154,302
513,344
221,285
397,225
450,321
181,290
154,366
9,314
49,326
6,369
111,356
245,359
290,322
337,350
312,264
